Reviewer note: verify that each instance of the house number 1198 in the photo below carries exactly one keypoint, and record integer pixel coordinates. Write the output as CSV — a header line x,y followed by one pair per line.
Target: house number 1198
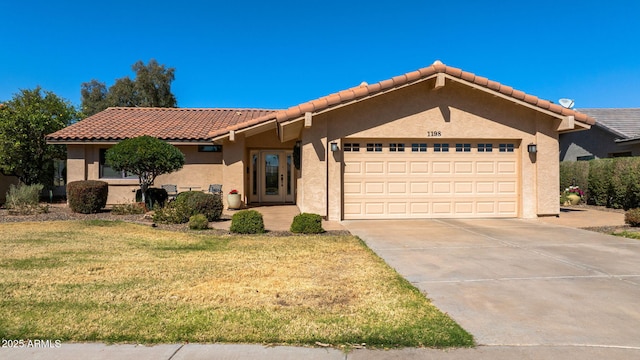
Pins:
x,y
434,133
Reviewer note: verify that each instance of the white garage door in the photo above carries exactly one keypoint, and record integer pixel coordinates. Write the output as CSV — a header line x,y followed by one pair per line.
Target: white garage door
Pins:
x,y
397,179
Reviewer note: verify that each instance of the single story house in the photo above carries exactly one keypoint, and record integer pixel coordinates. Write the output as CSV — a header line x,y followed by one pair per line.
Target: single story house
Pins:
x,y
438,142
616,134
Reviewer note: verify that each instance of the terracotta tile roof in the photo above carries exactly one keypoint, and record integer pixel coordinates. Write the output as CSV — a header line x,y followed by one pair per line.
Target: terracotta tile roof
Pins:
x,y
170,124
365,90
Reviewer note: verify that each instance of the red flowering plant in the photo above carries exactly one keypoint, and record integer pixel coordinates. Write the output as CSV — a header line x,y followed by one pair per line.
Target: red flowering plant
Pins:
x,y
234,191
574,190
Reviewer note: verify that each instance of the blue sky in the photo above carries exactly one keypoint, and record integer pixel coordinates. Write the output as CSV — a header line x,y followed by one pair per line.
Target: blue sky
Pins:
x,y
262,54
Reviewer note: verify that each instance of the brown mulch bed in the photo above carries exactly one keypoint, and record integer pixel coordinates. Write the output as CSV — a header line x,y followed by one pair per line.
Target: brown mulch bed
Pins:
x,y
61,212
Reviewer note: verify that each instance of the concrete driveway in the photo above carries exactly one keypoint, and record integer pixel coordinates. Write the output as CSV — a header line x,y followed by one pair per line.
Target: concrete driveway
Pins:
x,y
519,282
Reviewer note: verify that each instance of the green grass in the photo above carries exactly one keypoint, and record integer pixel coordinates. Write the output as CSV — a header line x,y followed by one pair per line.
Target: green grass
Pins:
x,y
628,234
121,282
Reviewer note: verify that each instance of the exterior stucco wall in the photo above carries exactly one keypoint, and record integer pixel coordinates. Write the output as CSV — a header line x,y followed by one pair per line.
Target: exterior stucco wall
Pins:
x,y
547,166
595,141
233,169
457,112
312,188
200,170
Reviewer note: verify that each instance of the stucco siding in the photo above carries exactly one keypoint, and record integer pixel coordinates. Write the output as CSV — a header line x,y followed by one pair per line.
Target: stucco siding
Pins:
x,y
452,112
200,170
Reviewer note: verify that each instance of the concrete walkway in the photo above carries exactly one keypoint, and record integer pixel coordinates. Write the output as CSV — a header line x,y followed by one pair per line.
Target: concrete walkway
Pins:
x,y
276,218
502,280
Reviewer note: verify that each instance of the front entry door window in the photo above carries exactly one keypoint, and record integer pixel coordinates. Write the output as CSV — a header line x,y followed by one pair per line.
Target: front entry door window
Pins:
x,y
272,176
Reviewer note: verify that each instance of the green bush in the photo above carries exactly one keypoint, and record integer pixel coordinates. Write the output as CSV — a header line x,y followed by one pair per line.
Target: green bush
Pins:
x,y
574,173
306,223
188,204
198,222
25,199
155,197
599,179
632,217
129,209
247,222
87,196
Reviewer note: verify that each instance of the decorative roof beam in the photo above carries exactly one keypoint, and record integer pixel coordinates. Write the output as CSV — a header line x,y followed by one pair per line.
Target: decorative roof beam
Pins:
x,y
440,81
567,123
232,135
308,119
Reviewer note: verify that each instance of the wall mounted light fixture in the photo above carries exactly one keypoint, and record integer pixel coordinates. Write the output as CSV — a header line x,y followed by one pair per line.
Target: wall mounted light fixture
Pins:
x,y
532,148
334,146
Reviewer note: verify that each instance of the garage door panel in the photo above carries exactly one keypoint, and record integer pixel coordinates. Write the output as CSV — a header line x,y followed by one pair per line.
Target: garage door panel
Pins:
x,y
485,187
419,208
374,167
397,168
352,188
463,167
408,184
441,187
506,167
374,208
397,188
463,187
374,188
419,167
352,167
441,208
441,167
419,187
485,167
397,208
507,187
465,207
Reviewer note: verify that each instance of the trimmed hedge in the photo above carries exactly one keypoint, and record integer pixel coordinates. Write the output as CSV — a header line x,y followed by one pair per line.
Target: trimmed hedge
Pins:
x,y
247,222
306,223
87,196
613,183
188,204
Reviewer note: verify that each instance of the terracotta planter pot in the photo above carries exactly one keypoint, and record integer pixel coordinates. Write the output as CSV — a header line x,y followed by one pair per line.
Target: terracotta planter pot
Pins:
x,y
234,201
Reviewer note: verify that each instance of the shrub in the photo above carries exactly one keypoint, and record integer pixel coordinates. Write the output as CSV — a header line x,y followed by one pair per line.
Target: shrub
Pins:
x,y
155,197
87,196
632,217
574,173
25,199
188,204
599,175
198,222
306,223
247,222
129,209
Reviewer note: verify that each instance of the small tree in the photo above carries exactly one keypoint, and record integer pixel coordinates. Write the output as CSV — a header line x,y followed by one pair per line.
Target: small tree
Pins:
x,y
145,156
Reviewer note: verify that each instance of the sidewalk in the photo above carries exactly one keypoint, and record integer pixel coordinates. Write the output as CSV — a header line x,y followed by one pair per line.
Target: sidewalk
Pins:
x,y
579,217
96,351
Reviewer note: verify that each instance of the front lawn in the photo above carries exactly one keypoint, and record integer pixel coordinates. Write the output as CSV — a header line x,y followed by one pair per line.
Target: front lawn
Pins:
x,y
121,282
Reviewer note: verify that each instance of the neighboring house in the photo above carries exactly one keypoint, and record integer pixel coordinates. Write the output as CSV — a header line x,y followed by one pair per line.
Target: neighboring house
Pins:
x,y
434,143
616,134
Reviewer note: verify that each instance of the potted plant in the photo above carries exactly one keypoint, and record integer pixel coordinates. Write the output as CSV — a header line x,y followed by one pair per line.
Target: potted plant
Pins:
x,y
234,200
574,195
